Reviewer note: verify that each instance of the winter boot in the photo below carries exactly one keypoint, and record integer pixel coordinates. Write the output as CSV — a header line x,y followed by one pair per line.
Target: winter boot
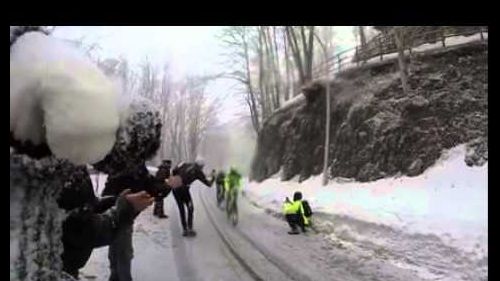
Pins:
x,y
294,231
191,232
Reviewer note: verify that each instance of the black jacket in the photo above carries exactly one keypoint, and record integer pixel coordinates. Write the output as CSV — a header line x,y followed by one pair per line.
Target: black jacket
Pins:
x,y
163,173
189,172
137,180
87,224
91,222
221,176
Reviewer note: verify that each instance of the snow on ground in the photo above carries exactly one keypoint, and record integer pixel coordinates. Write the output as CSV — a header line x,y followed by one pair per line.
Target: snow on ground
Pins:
x,y
449,200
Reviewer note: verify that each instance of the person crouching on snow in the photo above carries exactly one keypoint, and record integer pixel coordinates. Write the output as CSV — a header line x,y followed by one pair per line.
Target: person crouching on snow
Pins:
x,y
297,213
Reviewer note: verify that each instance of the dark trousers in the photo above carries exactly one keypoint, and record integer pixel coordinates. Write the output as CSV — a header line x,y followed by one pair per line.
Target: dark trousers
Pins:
x,y
75,258
183,197
220,193
295,220
120,255
158,204
158,207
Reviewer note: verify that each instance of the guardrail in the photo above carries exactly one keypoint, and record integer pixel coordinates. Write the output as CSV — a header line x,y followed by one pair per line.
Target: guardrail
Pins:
x,y
384,44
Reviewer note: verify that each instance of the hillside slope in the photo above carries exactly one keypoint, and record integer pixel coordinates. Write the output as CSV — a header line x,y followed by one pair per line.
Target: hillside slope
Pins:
x,y
377,131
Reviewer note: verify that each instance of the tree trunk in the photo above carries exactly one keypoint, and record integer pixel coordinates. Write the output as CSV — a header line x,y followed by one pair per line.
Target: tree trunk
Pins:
x,y
276,67
327,111
252,102
165,94
401,60
269,73
309,55
292,38
327,126
253,115
287,70
263,95
305,50
362,37
163,142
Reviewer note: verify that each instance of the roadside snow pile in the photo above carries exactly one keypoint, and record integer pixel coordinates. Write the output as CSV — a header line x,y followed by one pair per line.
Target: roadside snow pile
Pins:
x,y
59,97
449,200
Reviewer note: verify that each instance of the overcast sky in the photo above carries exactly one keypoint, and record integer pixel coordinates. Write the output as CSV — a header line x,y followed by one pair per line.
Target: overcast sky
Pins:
x,y
187,49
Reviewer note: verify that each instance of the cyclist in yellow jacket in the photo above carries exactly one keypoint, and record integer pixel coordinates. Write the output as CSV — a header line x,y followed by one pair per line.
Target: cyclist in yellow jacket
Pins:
x,y
294,213
232,186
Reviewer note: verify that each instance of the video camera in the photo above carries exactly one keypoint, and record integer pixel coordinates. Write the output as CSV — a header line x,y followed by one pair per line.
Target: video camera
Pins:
x,y
136,180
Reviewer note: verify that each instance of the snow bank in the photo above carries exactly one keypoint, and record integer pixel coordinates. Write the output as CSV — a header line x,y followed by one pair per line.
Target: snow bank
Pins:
x,y
59,97
449,200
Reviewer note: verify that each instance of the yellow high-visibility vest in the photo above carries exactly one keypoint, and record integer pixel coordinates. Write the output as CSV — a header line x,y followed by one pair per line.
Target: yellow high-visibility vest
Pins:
x,y
294,208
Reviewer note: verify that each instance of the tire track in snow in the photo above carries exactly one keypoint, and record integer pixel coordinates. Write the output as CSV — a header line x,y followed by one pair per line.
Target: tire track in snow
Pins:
x,y
241,261
280,264
185,270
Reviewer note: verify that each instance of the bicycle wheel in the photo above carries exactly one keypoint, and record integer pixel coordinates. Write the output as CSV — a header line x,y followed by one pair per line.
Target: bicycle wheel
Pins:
x,y
234,210
234,217
228,207
219,195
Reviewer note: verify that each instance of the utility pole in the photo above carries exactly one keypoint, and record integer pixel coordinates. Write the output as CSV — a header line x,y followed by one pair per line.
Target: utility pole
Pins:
x,y
327,126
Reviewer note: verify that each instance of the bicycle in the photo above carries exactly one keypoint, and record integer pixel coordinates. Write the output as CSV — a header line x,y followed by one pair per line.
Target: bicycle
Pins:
x,y
232,206
219,193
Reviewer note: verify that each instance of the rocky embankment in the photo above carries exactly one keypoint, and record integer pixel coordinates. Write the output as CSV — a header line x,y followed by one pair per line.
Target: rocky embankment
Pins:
x,y
376,130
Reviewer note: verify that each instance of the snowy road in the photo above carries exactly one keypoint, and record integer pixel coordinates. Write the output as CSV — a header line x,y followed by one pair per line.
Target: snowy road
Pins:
x,y
259,248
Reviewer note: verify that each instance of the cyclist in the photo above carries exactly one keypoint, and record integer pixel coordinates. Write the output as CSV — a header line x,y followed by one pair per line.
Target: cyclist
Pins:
x,y
219,183
232,186
188,172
